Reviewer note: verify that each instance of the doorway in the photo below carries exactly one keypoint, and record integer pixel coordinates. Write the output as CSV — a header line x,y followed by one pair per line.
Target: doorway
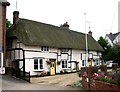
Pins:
x,y
52,67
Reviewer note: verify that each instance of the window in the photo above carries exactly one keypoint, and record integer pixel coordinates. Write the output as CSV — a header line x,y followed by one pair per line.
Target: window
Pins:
x,y
44,48
64,64
83,63
38,64
97,62
64,50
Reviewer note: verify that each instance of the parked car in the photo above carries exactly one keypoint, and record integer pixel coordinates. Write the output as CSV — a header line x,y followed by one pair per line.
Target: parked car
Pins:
x,y
110,63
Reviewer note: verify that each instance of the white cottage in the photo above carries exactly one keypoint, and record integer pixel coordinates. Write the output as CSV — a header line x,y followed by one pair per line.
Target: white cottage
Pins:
x,y
36,47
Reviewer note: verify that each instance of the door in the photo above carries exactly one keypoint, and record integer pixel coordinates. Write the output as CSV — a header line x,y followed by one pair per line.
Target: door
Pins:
x,y
52,68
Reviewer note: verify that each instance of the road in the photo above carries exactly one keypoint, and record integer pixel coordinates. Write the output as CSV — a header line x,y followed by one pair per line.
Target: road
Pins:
x,y
12,83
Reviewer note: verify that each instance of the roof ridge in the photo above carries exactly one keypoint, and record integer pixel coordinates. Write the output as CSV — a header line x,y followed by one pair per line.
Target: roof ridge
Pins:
x,y
51,25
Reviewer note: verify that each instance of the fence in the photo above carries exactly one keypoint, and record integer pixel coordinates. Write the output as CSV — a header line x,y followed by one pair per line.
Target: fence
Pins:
x,y
18,73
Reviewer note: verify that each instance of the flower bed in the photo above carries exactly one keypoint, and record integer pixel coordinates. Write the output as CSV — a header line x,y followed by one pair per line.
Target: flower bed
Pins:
x,y
100,81
100,85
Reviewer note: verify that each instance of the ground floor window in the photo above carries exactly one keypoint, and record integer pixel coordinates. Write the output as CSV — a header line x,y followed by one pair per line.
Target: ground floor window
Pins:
x,y
83,63
97,62
38,64
64,63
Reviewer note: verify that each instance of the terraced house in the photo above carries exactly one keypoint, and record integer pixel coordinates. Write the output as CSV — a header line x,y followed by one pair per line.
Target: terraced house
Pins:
x,y
36,47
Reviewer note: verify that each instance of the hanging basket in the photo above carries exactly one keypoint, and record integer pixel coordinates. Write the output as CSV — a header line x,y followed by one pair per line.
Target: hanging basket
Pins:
x,y
48,62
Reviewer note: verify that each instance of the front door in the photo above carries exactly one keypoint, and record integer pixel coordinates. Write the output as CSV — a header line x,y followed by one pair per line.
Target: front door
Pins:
x,y
52,67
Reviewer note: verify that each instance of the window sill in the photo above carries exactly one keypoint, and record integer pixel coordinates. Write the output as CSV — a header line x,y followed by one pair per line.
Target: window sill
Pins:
x,y
39,70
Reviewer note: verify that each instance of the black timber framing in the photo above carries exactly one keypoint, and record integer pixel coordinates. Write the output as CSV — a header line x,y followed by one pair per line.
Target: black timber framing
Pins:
x,y
23,59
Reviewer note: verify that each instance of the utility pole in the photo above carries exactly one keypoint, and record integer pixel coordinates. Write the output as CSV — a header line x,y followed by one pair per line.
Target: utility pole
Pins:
x,y
86,43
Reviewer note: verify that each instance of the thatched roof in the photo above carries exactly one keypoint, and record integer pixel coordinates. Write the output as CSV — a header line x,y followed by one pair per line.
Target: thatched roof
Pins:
x,y
34,33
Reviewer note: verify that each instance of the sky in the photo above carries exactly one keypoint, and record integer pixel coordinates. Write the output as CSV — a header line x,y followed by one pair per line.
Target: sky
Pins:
x,y
101,15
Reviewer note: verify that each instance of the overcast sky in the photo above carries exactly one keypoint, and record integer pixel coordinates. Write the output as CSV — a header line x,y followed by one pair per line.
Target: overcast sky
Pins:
x,y
102,14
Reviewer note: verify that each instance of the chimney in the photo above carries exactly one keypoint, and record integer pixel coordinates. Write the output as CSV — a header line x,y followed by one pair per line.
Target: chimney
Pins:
x,y
90,33
3,5
15,17
110,33
65,25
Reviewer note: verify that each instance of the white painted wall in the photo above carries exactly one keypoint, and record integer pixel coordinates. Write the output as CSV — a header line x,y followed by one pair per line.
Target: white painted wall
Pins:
x,y
32,52
109,41
117,39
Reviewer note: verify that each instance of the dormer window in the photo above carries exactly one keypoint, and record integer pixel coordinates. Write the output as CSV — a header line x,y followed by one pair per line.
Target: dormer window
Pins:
x,y
44,48
64,50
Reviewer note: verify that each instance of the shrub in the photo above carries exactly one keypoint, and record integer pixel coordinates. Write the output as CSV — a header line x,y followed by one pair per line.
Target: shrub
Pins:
x,y
105,80
103,68
118,79
77,84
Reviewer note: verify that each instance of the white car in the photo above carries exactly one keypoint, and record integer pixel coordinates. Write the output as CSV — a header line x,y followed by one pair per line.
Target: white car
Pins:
x,y
110,63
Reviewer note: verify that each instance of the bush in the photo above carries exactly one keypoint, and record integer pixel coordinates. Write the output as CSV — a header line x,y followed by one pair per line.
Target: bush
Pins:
x,y
118,79
77,84
103,68
105,80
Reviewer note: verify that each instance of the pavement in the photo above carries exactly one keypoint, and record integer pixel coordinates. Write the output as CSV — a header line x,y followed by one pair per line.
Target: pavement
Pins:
x,y
57,82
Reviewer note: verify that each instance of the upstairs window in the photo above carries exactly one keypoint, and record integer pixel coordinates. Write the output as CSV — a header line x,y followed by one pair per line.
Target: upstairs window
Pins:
x,y
38,64
64,50
44,48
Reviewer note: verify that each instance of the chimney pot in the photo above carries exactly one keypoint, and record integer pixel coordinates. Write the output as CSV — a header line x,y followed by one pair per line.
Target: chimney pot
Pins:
x,y
66,25
15,17
90,33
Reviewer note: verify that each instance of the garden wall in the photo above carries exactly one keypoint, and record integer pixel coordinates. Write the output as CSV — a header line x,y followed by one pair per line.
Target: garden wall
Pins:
x,y
91,84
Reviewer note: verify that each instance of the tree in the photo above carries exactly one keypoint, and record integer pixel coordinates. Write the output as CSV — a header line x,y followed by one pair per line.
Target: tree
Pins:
x,y
8,24
115,54
110,53
106,46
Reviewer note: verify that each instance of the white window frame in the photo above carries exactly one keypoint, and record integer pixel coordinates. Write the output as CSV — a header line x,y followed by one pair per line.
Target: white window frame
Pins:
x,y
83,62
64,50
44,48
38,64
65,64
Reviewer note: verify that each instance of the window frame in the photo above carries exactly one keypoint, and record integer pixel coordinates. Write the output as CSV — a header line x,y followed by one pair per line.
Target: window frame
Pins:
x,y
65,65
44,48
39,64
83,63
64,50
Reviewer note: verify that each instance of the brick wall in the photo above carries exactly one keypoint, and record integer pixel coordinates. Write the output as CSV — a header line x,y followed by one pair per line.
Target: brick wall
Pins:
x,y
3,5
0,25
95,84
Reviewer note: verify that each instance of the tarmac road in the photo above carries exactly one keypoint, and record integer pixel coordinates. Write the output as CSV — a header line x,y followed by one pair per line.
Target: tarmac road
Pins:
x,y
11,83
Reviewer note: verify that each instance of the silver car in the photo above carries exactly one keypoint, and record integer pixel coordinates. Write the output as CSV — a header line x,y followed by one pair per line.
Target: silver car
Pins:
x,y
110,63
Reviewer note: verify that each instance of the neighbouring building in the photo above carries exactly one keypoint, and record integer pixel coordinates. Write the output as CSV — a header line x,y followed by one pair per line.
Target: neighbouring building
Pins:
x,y
34,46
113,39
3,5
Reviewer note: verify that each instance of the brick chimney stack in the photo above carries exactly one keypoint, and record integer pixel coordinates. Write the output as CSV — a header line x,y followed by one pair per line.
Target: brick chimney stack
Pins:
x,y
65,25
90,33
15,17
3,5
